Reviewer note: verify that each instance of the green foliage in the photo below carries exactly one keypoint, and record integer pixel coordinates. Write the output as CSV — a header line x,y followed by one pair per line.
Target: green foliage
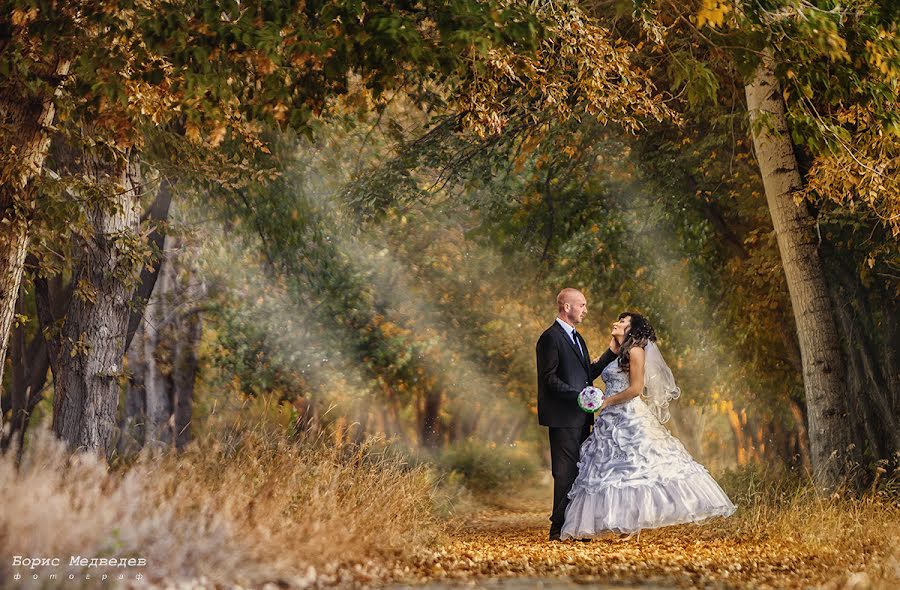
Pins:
x,y
389,258
367,316
487,468
695,79
839,68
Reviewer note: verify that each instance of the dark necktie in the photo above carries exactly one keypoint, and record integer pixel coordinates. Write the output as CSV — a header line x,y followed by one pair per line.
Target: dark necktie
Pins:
x,y
577,344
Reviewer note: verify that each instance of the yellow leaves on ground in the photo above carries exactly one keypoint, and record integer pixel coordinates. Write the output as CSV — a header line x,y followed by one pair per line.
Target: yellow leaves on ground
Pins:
x,y
511,542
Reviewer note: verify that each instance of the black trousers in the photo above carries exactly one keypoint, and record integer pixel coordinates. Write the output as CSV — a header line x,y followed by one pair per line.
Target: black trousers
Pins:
x,y
565,444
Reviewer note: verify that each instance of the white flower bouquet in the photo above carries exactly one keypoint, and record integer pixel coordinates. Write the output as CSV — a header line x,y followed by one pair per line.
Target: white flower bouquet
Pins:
x,y
590,399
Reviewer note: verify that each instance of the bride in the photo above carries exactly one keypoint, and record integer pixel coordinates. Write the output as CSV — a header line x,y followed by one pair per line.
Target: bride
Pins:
x,y
633,473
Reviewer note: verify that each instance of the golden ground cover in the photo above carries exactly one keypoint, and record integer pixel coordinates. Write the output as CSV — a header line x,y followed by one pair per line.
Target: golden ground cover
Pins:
x,y
846,544
257,511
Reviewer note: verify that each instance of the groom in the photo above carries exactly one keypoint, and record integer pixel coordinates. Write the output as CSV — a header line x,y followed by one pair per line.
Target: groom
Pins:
x,y
564,369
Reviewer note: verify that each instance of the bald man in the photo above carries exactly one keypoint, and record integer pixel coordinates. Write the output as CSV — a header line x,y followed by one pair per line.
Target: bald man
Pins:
x,y
564,368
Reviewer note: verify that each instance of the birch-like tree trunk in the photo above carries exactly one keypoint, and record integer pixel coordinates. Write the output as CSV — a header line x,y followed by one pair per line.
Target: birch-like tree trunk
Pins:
x,y
13,245
17,354
134,415
87,357
157,390
24,141
820,349
148,404
162,358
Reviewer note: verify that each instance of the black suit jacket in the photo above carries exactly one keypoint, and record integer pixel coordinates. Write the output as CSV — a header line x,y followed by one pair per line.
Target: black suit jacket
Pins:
x,y
562,374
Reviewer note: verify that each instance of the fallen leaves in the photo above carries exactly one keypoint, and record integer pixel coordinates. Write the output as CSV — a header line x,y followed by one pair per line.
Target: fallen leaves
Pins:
x,y
512,543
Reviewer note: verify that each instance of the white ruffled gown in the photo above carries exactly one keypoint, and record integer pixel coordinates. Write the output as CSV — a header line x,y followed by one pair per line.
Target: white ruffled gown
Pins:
x,y
633,474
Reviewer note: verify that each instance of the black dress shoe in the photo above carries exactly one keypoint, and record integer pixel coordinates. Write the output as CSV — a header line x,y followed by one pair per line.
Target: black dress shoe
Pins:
x,y
554,536
583,540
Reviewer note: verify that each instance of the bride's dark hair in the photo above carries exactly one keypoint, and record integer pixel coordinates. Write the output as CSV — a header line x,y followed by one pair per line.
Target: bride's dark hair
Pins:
x,y
639,334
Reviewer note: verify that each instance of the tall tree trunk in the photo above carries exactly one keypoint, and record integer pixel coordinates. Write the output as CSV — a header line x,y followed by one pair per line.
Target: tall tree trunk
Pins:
x,y
802,439
162,358
134,414
13,245
820,348
87,358
23,133
156,215
157,388
184,370
429,419
868,349
30,360
18,383
184,376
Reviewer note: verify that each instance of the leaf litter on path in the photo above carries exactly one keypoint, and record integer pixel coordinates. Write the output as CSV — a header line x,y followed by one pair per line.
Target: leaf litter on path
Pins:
x,y
505,546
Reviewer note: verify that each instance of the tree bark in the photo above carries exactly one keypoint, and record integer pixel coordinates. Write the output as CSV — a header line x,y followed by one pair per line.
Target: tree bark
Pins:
x,y
868,351
162,358
23,132
13,245
17,352
31,361
802,439
134,414
158,214
158,432
87,357
184,370
429,419
820,349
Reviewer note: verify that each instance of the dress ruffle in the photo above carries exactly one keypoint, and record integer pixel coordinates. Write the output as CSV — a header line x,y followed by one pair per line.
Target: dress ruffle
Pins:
x,y
630,509
634,474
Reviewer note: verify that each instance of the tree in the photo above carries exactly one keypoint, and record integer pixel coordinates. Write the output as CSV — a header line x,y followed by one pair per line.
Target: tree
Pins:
x,y
190,86
206,73
24,142
86,353
820,349
162,358
836,68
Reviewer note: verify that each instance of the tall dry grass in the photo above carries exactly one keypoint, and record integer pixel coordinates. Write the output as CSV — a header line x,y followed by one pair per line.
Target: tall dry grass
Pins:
x,y
774,504
851,532
255,509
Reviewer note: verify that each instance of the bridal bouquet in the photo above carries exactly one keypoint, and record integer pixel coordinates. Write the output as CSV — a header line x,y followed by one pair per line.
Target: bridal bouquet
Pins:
x,y
590,399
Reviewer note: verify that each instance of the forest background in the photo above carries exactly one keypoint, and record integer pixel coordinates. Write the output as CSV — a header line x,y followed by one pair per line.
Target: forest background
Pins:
x,y
301,249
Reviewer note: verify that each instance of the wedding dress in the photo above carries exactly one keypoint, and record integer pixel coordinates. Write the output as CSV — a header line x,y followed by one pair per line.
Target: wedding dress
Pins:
x,y
633,474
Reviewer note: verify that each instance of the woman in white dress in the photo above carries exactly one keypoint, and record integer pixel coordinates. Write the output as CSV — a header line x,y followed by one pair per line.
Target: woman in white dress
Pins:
x,y
633,474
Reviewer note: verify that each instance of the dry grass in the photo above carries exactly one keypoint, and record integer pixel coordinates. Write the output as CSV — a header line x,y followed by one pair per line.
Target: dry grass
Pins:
x,y
784,535
775,506
251,507
257,509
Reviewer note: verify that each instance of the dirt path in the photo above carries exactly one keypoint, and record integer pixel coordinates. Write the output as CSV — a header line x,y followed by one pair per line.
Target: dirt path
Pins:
x,y
505,546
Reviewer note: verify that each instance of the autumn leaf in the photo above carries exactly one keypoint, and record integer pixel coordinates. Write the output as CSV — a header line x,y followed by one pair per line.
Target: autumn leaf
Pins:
x,y
712,13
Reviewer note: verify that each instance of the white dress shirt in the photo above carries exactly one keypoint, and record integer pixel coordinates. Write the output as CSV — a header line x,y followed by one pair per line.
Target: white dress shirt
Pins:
x,y
570,330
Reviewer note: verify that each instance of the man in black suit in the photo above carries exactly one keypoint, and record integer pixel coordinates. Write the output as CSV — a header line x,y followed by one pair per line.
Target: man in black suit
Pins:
x,y
564,368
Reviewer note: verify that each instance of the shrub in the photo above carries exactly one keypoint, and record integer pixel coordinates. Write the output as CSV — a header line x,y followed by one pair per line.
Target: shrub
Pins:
x,y
486,467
